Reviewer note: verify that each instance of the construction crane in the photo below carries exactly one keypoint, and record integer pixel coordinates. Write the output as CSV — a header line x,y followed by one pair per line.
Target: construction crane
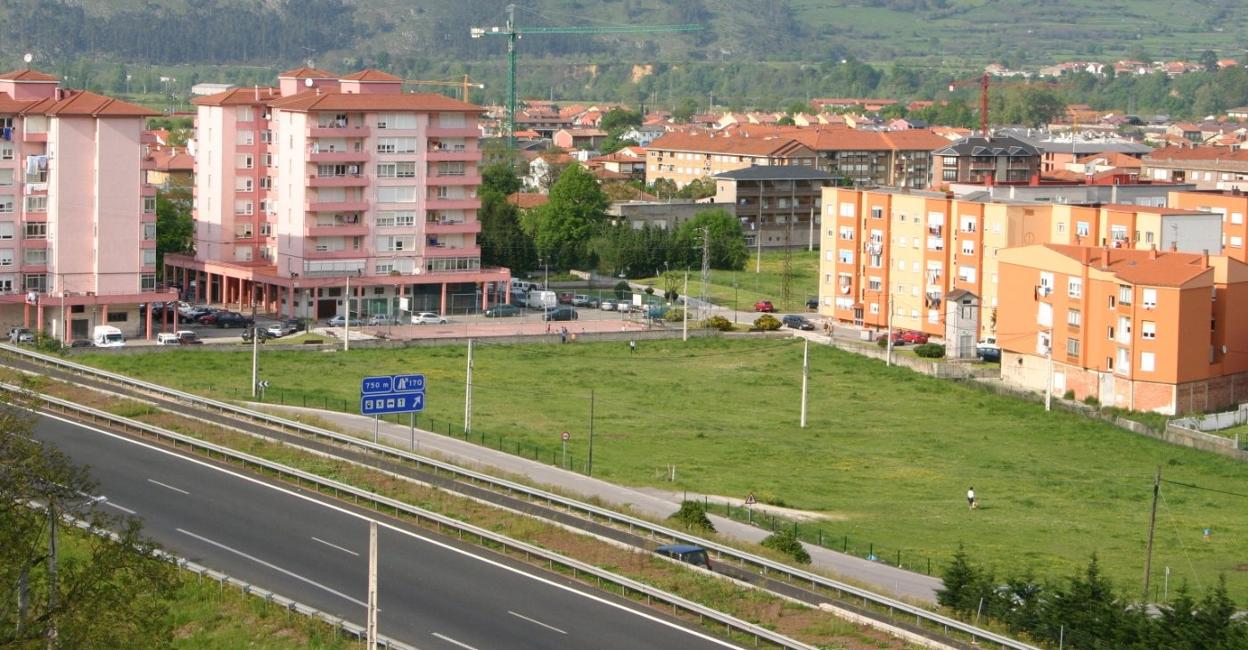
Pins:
x,y
983,82
465,85
513,34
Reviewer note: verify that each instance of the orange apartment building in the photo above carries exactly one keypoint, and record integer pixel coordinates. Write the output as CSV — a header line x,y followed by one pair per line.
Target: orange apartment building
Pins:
x,y
1136,329
903,250
683,157
1230,206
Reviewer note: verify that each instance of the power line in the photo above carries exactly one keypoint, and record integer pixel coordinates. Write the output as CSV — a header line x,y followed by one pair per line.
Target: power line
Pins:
x,y
1199,487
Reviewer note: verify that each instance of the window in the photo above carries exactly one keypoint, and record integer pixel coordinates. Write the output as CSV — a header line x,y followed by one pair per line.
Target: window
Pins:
x,y
457,168
244,184
399,194
266,182
966,274
1148,298
396,121
874,283
394,219
149,257
1073,317
1237,218
242,230
968,247
246,138
847,233
243,207
390,244
6,151
149,232
246,114
1237,241
396,145
1081,228
35,256
1148,329
36,230
1124,330
147,282
266,229
1072,347
36,204
35,282
847,210
149,205
6,257
1124,294
1044,314
6,177
244,161
6,284
6,230
1061,226
1148,362
845,256
1074,287
6,203
968,223
396,170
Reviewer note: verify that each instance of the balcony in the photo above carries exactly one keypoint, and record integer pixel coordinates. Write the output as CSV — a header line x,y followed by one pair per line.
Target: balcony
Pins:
x,y
359,205
446,251
433,203
346,180
36,137
338,230
348,131
453,132
311,253
453,179
452,227
453,155
318,156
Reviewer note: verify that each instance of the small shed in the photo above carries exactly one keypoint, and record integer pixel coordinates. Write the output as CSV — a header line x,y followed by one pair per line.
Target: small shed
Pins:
x,y
961,324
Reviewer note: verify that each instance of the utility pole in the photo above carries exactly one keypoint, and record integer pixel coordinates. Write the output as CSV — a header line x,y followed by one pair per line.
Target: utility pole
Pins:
x,y
255,349
52,559
706,265
1048,384
346,323
468,394
889,360
805,376
1152,522
589,468
786,273
684,328
372,585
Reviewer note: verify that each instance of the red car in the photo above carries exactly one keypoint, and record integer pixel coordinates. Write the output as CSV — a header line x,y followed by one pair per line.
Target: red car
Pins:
x,y
764,306
913,338
565,298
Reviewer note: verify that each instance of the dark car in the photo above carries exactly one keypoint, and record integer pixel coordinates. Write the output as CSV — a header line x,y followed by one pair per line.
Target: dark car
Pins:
x,y
812,304
502,311
565,298
249,332
764,306
695,555
207,317
797,322
897,338
81,343
560,313
231,319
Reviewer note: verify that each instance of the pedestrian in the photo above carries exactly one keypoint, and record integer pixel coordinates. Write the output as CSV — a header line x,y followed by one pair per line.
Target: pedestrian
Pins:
x,y
563,335
632,346
1208,533
548,327
970,497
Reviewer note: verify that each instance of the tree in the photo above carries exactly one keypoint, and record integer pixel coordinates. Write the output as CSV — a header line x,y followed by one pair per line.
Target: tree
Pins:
x,y
960,582
619,120
727,242
614,143
698,188
786,120
1209,61
1085,611
685,110
108,593
499,177
664,188
174,226
576,211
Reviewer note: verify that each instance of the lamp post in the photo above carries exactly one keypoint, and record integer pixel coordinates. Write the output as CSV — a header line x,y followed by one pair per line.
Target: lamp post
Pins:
x,y
64,325
255,346
346,323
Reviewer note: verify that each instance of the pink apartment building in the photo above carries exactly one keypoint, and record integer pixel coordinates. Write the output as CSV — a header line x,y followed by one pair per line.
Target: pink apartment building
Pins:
x,y
322,178
77,220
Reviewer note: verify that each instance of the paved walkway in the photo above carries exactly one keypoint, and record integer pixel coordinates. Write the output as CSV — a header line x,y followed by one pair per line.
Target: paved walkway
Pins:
x,y
651,503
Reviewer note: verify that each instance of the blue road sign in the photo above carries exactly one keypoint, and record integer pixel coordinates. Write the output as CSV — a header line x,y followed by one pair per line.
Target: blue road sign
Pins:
x,y
403,383
392,403
378,385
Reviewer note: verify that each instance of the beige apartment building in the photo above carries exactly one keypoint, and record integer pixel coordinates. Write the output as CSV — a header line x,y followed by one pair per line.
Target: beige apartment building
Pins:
x,y
683,157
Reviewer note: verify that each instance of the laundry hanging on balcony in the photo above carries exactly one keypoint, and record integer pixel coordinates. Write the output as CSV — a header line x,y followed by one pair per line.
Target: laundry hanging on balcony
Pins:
x,y
36,164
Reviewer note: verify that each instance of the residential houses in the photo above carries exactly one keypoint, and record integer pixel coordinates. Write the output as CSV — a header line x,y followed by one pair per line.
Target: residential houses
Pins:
x,y
999,159
683,157
327,177
778,205
77,217
1209,168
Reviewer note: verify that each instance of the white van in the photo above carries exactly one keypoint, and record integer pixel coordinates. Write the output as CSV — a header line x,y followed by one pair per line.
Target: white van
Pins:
x,y
543,300
107,336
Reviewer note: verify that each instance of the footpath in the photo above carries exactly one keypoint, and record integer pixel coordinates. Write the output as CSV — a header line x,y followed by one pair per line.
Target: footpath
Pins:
x,y
653,504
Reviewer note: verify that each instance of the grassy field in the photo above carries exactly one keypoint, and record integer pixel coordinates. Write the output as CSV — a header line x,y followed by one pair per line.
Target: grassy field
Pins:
x,y
751,286
888,455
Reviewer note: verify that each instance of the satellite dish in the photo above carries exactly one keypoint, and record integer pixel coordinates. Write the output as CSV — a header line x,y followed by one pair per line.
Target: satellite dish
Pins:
x,y
308,82
28,57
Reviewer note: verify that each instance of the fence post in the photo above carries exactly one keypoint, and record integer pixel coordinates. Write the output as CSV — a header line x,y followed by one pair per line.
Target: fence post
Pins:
x,y
845,548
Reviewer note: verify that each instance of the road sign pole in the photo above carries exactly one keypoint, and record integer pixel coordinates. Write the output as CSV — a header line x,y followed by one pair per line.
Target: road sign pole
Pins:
x,y
412,416
372,585
589,468
376,427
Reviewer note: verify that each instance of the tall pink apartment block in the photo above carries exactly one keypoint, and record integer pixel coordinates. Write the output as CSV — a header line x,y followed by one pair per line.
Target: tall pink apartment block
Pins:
x,y
323,178
77,219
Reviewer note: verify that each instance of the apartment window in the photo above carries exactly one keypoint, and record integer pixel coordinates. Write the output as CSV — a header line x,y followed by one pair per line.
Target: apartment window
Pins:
x,y
847,210
147,282
7,230
968,223
396,121
968,247
1237,241
35,256
1148,298
35,282
457,168
149,257
243,207
246,138
36,230
268,160
1061,227
266,182
901,265
6,177
1074,287
266,136
266,229
6,151
875,308
1237,218
1044,314
244,161
6,257
242,254
1124,294
246,114
1118,233
1073,317
845,256
396,170
6,204
1148,329
874,283
36,204
149,232
396,194
396,145
1072,347
149,205
966,274
876,213
847,233
1081,228
242,230
1148,362
1124,329
244,184
395,219
6,285
395,243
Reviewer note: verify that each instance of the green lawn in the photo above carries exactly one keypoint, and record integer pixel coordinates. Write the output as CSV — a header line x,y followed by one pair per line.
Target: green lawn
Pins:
x,y
888,452
751,286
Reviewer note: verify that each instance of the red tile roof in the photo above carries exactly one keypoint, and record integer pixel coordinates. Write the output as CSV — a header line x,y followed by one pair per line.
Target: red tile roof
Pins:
x,y
86,103
307,73
737,144
238,97
1141,267
1196,153
835,138
336,101
28,75
527,200
371,75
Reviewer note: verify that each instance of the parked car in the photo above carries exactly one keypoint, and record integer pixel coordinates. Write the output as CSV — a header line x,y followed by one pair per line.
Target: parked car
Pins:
x,y
764,306
797,322
428,318
284,328
340,321
688,553
187,337
812,303
911,337
897,338
230,319
192,313
502,311
381,319
607,305
167,338
21,335
81,343
565,298
209,317
988,350
249,332
582,300
559,313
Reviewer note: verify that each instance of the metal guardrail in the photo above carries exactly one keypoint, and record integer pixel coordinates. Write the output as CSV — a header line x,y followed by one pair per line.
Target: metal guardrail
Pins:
x,y
868,598
552,559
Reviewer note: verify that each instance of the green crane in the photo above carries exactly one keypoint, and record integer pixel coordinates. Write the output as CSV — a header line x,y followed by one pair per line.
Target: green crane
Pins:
x,y
513,34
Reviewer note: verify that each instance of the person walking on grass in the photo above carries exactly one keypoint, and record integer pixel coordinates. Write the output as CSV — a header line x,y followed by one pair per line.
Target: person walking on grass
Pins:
x,y
970,497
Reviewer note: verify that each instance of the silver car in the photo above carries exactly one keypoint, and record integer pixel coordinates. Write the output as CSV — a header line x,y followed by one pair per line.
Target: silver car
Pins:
x,y
427,318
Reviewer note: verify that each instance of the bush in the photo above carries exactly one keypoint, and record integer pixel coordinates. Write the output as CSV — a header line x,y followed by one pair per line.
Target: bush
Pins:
x,y
882,342
767,323
649,290
786,542
621,288
930,350
692,514
1069,394
674,315
48,344
1091,400
718,323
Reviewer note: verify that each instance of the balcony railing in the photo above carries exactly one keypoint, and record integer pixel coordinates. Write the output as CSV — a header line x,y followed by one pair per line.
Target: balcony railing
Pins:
x,y
338,180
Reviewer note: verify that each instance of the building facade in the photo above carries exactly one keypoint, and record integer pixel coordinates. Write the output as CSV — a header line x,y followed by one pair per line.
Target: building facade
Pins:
x,y
77,218
325,177
778,206
979,160
683,157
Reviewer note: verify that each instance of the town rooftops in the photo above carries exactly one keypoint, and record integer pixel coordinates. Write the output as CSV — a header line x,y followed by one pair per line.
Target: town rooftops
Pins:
x,y
726,144
372,75
775,173
995,146
29,75
239,97
307,73
313,100
88,104
1196,153
1140,267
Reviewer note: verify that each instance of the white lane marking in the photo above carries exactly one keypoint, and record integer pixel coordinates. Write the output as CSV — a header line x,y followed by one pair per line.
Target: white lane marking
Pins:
x,y
450,640
92,497
170,487
344,550
273,566
251,479
121,508
536,622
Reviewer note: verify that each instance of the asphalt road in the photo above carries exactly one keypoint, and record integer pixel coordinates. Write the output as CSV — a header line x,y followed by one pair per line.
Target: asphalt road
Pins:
x,y
433,592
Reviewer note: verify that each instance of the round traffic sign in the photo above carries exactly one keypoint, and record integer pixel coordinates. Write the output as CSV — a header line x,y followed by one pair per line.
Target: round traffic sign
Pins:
x,y
565,435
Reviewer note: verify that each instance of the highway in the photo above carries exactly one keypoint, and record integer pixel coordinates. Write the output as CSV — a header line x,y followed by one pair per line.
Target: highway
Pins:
x,y
434,592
